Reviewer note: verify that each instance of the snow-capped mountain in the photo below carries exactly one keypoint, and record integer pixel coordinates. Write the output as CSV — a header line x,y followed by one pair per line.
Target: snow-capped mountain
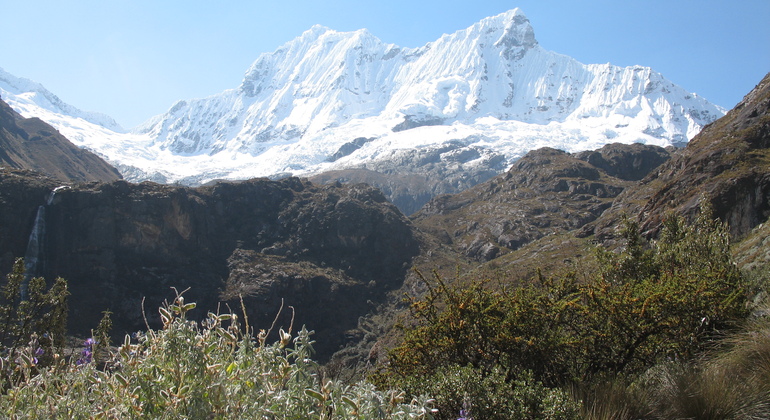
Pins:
x,y
480,97
33,100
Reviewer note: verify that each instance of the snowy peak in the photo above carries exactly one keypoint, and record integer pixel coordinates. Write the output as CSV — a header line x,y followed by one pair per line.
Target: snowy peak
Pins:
x,y
506,30
325,88
517,33
480,97
319,80
324,79
318,56
29,98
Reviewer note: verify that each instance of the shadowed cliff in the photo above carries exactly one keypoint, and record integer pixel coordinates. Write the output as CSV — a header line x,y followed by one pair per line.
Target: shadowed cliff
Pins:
x,y
330,252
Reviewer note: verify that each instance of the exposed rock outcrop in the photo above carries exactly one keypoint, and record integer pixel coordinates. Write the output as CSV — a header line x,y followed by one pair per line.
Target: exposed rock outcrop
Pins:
x,y
630,162
330,252
547,191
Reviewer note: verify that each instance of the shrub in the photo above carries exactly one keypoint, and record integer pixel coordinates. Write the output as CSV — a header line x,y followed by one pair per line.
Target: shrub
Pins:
x,y
489,396
215,369
32,324
514,330
668,300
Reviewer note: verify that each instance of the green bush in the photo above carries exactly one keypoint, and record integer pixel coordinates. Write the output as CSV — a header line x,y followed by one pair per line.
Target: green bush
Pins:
x,y
666,300
33,324
516,330
490,396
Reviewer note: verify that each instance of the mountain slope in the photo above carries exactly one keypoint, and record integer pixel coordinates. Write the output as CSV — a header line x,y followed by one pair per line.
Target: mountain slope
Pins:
x,y
30,143
28,97
546,192
552,207
727,165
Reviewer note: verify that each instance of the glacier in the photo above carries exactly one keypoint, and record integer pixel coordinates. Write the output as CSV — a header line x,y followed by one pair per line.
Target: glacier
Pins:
x,y
482,97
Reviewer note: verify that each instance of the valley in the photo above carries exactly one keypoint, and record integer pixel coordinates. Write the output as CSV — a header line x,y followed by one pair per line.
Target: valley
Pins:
x,y
372,193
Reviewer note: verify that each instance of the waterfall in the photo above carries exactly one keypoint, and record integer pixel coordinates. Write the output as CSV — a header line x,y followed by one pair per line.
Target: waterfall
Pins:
x,y
35,245
34,250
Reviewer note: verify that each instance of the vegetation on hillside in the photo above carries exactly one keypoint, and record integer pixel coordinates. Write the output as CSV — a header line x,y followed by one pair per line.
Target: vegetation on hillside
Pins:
x,y
653,307
33,321
658,330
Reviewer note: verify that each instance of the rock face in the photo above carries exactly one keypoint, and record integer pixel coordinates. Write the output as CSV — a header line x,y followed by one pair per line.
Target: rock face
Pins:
x,y
547,191
330,252
30,143
725,165
628,162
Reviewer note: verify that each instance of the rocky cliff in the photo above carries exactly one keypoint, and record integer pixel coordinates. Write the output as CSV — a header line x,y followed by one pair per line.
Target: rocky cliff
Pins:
x,y
330,252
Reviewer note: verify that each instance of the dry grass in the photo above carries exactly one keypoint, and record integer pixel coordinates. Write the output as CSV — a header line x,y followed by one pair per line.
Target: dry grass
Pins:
x,y
732,384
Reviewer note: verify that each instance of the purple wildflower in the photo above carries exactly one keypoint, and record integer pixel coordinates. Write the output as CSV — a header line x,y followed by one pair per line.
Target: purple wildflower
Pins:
x,y
86,356
465,411
39,352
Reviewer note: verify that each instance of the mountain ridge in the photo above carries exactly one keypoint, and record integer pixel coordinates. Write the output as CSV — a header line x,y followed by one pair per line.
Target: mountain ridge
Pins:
x,y
725,165
16,88
453,73
489,91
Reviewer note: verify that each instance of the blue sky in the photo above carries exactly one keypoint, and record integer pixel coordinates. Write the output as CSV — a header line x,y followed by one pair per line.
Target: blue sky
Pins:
x,y
132,59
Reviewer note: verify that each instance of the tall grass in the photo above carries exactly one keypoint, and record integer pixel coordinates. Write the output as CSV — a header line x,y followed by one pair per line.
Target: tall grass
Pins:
x,y
733,383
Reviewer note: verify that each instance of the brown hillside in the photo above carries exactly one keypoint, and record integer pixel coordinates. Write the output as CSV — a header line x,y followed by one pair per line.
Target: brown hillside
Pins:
x,y
30,143
727,165
546,192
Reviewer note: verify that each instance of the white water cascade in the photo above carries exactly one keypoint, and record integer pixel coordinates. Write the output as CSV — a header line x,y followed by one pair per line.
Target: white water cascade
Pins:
x,y
36,244
34,250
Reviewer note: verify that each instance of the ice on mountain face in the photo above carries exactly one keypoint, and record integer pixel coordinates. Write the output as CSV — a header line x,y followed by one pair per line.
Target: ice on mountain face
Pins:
x,y
305,107
26,96
314,83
